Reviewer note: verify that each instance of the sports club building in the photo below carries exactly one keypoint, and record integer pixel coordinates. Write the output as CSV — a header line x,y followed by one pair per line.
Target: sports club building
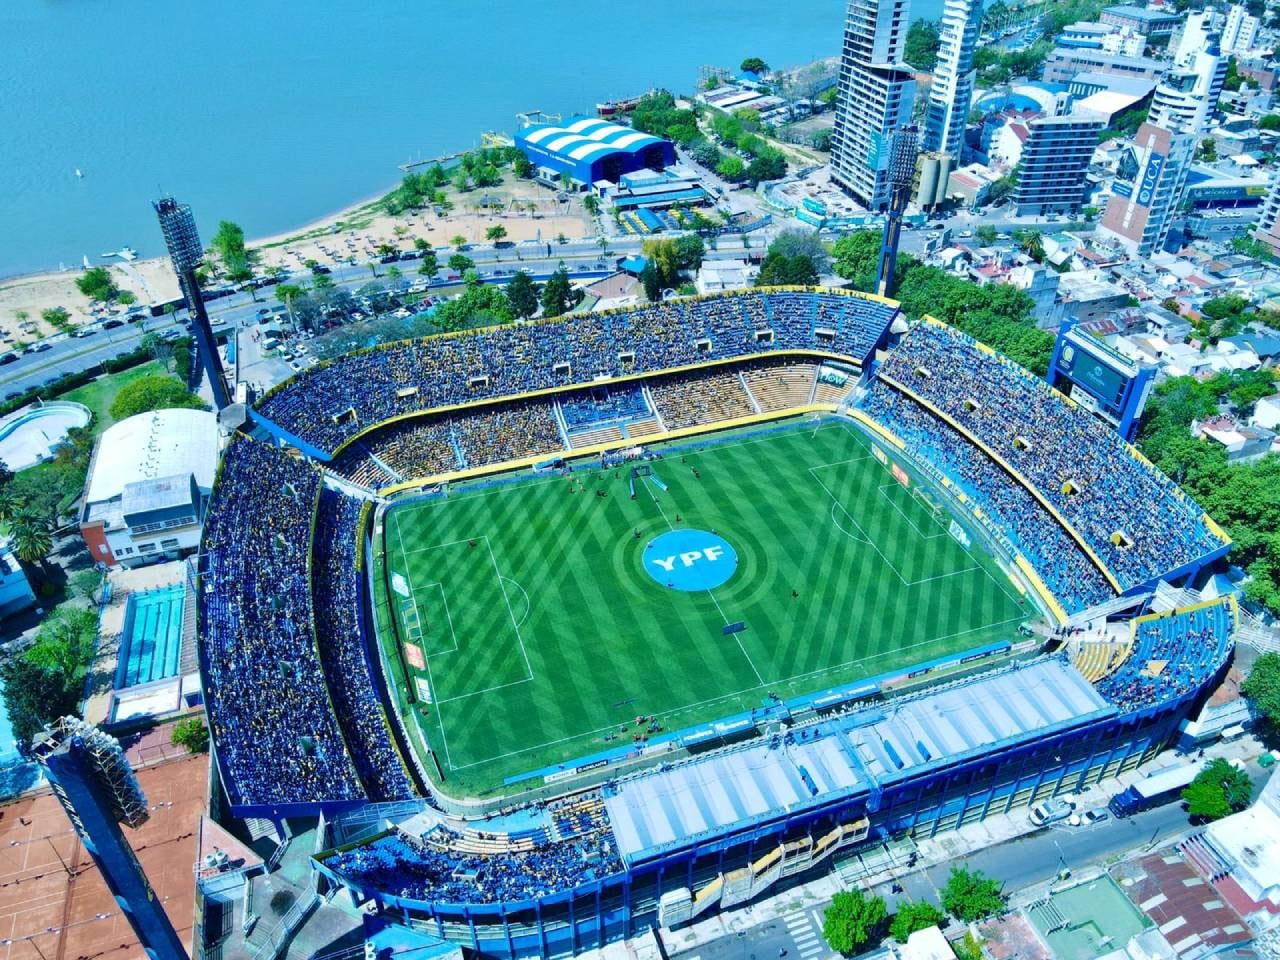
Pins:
x,y
590,150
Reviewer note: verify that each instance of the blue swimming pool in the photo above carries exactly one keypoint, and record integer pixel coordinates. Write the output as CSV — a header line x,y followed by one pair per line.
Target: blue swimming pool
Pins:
x,y
152,642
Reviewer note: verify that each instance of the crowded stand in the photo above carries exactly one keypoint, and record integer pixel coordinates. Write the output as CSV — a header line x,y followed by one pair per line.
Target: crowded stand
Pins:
x,y
435,869
336,598
600,406
1066,570
336,401
269,709
1133,517
692,399
512,431
1173,654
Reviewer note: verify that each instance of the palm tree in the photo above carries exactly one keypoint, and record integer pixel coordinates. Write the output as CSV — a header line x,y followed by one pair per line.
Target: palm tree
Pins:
x,y
32,541
10,504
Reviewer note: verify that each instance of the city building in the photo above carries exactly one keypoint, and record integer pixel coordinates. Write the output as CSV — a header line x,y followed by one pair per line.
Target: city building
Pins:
x,y
1155,25
971,184
1125,43
1088,83
1268,228
15,591
951,92
877,90
587,150
1086,34
1152,176
1064,63
1054,158
149,480
1240,31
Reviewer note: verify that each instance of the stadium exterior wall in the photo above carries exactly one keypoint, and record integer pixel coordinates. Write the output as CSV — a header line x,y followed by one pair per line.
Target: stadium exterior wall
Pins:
x,y
1009,776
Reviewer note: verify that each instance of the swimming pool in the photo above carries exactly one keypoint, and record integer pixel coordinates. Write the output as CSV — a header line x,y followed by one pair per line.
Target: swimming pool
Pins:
x,y
152,642
31,435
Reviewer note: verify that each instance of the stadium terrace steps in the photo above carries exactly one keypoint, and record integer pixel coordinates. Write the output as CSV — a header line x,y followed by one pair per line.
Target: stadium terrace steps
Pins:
x,y
643,428
693,400
586,438
331,404
782,387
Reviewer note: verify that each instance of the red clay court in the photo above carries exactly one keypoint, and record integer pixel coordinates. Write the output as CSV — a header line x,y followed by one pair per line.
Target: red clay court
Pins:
x,y
48,880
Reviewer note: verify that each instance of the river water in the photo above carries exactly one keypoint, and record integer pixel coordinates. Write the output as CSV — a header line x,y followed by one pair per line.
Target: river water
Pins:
x,y
273,114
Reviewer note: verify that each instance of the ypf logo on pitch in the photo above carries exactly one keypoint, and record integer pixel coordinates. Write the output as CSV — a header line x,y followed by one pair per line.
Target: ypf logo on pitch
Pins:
x,y
690,560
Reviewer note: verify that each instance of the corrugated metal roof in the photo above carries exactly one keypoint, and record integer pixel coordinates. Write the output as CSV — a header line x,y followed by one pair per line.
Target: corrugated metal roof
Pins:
x,y
845,755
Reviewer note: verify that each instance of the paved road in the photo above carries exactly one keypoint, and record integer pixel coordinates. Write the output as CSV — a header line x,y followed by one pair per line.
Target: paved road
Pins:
x,y
1025,862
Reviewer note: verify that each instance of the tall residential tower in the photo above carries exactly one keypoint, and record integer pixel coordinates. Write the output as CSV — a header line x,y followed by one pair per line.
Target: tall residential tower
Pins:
x,y
876,94
951,92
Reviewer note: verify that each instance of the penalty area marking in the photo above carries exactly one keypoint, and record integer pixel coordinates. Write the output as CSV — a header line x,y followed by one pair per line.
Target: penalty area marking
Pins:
x,y
923,536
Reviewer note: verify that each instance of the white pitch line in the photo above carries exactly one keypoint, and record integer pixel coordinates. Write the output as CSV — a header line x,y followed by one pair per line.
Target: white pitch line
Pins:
x,y
654,497
510,613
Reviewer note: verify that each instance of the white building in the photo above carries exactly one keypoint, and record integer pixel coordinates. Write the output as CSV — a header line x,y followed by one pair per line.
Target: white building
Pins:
x,y
1124,43
15,591
1152,177
1240,32
1248,844
876,93
149,483
951,92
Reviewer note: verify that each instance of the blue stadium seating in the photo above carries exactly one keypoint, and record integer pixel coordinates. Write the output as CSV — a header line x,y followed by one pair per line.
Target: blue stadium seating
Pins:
x,y
334,402
1132,516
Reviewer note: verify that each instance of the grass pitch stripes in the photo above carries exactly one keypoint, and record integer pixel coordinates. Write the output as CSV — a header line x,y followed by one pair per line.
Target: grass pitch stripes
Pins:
x,y
559,637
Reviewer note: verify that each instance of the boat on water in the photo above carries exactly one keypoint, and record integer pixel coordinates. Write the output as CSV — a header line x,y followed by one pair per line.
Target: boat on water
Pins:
x,y
79,175
124,253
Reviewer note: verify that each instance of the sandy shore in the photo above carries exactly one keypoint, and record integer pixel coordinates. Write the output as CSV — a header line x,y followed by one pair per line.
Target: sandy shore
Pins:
x,y
529,212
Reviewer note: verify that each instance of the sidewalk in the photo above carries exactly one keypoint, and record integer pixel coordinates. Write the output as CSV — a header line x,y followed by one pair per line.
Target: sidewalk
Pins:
x,y
946,848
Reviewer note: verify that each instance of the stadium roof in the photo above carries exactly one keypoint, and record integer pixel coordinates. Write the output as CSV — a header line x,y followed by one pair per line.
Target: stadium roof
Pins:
x,y
587,138
150,446
847,755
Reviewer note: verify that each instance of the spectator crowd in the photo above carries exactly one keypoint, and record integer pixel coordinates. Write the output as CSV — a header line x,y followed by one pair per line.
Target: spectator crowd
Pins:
x,y
332,403
1137,521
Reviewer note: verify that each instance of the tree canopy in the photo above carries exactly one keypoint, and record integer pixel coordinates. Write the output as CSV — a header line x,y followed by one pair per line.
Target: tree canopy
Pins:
x,y
755,66
852,920
971,895
656,113
558,295
480,305
190,732
46,681
914,915
1218,790
96,283
522,294
922,44
153,392
1263,687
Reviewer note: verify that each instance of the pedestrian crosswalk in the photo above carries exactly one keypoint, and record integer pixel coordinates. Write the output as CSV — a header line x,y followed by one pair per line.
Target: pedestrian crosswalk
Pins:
x,y
805,928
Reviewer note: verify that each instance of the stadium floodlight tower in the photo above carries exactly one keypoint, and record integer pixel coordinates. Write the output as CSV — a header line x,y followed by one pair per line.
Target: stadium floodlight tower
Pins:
x,y
903,151
92,780
181,237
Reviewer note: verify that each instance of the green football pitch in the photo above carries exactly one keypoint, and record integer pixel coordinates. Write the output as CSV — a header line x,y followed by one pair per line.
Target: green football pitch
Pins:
x,y
526,624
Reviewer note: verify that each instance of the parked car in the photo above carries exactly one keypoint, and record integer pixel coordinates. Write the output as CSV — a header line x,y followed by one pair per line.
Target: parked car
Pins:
x,y
8,358
1050,811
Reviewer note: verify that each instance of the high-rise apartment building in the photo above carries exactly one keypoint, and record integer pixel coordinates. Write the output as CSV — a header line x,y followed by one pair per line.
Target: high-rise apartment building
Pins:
x,y
1240,32
951,92
1153,172
1055,156
1268,226
875,98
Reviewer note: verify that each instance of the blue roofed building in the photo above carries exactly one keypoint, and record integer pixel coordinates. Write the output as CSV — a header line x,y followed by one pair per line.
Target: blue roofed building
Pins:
x,y
589,150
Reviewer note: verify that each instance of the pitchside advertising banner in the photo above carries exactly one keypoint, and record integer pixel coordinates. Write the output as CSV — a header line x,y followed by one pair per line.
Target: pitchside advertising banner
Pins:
x,y
900,475
413,653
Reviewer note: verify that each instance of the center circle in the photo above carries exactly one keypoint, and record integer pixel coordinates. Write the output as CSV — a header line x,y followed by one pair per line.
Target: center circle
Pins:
x,y
690,560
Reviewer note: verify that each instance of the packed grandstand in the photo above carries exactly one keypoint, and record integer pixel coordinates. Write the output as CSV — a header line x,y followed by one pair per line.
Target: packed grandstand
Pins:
x,y
297,697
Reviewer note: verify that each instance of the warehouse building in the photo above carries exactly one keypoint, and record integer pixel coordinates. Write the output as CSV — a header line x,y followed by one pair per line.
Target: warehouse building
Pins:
x,y
588,150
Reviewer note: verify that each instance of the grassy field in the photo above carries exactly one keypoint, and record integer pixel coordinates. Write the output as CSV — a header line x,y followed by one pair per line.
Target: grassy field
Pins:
x,y
97,396
541,623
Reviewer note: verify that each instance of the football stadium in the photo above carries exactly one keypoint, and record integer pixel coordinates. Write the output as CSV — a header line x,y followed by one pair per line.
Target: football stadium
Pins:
x,y
574,627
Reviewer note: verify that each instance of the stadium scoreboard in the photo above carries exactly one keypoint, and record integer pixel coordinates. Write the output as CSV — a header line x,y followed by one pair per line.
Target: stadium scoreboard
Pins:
x,y
1100,379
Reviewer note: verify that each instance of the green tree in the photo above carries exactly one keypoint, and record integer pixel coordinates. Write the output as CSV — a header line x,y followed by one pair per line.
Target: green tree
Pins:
x,y
656,113
1263,687
591,203
153,392
689,252
523,167
806,243
496,234
33,697
522,293
922,44
969,948
1218,790
856,257
649,280
190,732
57,317
96,284
1249,246
480,305
458,241
754,66
32,539
66,642
987,234
286,292
852,920
1031,242
1270,122
461,263
557,294
769,164
778,269
971,895
430,264
914,915
1208,150
731,168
